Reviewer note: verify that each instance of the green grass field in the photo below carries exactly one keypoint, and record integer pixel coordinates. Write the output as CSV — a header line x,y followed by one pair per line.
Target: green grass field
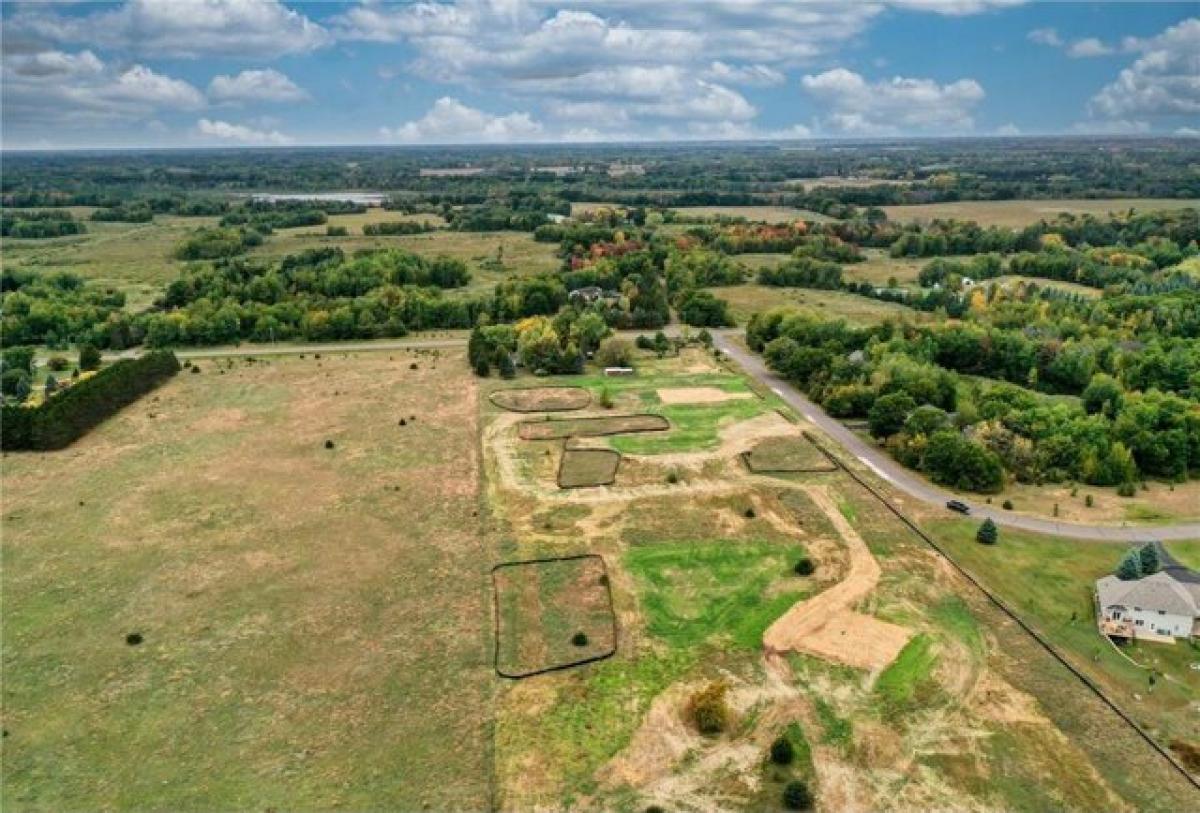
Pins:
x,y
1049,581
747,300
721,590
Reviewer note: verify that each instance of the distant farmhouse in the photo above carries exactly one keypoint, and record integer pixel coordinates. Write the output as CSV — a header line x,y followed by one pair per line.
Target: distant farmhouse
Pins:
x,y
1161,607
592,293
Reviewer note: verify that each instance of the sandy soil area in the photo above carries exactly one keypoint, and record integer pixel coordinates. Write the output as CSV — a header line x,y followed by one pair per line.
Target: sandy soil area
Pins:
x,y
826,625
699,395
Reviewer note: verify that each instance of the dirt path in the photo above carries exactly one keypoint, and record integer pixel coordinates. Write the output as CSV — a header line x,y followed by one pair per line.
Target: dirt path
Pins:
x,y
826,625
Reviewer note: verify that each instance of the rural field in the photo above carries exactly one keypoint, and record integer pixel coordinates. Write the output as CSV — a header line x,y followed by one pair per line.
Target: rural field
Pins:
x,y
607,409
747,300
296,604
922,689
1020,213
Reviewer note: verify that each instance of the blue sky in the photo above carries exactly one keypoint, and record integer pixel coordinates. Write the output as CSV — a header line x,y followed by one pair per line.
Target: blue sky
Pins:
x,y
162,73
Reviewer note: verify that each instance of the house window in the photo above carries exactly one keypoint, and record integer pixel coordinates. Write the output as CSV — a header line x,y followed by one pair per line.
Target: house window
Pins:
x,y
1139,622
1162,612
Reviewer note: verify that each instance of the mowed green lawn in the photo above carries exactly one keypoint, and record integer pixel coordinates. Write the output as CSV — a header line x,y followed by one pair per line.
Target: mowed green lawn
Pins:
x,y
1049,582
314,621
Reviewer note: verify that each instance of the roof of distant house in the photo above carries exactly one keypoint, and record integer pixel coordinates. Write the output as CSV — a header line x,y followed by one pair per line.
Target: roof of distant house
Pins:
x,y
1160,591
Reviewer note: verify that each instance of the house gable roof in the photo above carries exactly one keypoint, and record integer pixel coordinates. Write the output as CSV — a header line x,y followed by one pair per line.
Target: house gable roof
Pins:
x,y
1160,591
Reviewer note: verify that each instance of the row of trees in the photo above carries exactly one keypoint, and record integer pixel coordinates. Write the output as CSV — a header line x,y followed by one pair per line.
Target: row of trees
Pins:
x,y
973,433
38,225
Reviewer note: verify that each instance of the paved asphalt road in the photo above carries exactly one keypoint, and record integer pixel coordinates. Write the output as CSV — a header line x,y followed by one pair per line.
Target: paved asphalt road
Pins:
x,y
875,459
901,478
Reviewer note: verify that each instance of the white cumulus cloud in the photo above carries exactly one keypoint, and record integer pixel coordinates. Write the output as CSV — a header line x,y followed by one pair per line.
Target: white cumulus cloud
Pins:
x,y
893,106
267,85
182,28
450,121
241,134
57,87
1163,82
1089,47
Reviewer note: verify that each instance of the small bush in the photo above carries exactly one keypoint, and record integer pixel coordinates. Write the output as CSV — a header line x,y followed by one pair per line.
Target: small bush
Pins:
x,y
58,363
1126,490
805,567
1006,505
89,357
1089,501
329,444
749,513
708,710
133,638
987,533
797,797
606,399
579,639
672,477
782,752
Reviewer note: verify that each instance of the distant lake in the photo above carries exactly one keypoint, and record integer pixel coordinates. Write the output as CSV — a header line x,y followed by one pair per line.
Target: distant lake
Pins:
x,y
365,198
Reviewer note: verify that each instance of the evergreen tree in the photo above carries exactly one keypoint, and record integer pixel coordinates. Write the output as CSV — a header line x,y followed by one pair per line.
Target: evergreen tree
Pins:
x,y
1148,556
504,364
89,357
1130,568
987,533
572,360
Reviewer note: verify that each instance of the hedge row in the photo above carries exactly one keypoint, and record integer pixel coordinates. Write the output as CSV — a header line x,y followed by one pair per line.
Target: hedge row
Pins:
x,y
69,414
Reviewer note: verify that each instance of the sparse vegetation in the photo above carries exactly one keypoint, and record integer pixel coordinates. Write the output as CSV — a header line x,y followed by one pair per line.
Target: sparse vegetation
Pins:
x,y
708,710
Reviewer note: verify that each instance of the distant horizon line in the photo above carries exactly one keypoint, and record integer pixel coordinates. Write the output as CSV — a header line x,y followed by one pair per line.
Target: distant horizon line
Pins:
x,y
646,143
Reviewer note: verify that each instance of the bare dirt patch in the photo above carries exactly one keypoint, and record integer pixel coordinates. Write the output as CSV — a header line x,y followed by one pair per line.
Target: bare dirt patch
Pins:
x,y
825,625
541,399
699,395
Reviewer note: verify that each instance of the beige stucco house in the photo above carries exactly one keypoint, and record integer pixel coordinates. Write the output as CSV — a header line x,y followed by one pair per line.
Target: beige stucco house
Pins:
x,y
1161,607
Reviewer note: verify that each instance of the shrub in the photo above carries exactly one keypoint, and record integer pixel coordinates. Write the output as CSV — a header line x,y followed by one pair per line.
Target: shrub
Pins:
x,y
58,363
782,752
805,567
1130,568
1126,489
708,710
672,477
336,231
987,533
482,368
749,513
329,444
1148,556
796,796
606,399
89,357
579,639
1089,501
1007,505
614,352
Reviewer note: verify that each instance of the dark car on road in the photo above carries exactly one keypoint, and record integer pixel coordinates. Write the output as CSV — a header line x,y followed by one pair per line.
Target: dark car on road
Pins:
x,y
959,506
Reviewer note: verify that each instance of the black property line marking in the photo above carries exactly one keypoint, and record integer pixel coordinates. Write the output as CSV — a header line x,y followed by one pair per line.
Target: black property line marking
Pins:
x,y
1004,608
612,613
666,426
562,460
492,398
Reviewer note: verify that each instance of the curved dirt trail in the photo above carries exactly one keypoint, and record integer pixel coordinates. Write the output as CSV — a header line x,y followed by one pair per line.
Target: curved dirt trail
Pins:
x,y
826,625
